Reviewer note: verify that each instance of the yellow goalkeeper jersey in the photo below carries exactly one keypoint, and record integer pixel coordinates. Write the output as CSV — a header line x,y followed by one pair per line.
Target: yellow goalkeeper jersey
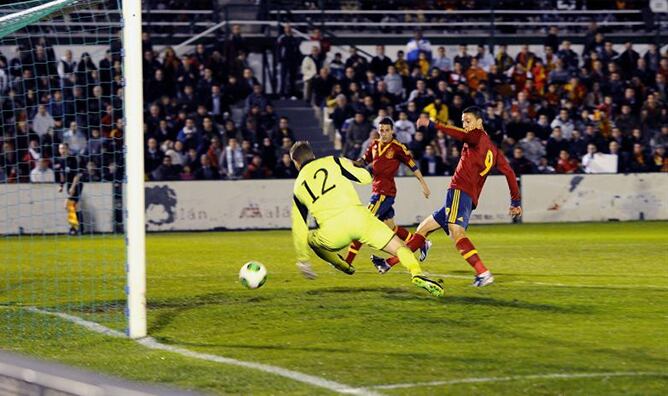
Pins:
x,y
324,188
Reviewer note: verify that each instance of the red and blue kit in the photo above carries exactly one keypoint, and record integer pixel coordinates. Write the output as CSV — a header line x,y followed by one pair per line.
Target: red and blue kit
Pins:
x,y
479,156
385,159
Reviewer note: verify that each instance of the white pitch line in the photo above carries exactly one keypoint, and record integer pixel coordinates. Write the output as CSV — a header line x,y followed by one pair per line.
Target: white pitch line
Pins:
x,y
92,326
151,343
593,286
596,286
523,377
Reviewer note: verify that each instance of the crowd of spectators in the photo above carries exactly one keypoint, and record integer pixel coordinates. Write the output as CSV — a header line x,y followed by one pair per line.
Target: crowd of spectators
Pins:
x,y
557,111
188,128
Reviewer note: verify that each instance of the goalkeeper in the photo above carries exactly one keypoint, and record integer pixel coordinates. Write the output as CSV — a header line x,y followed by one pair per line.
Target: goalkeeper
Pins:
x,y
323,188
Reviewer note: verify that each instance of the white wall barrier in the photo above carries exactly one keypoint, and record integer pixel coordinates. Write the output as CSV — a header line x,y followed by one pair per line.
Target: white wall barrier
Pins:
x,y
180,206
173,206
40,208
570,198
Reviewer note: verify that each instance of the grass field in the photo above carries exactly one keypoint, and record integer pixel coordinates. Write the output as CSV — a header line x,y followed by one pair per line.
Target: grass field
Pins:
x,y
569,299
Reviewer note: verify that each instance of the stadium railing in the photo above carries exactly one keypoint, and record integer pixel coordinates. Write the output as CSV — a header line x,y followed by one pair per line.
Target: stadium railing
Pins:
x,y
171,27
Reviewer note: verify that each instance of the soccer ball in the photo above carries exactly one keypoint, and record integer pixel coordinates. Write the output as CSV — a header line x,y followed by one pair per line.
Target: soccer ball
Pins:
x,y
252,275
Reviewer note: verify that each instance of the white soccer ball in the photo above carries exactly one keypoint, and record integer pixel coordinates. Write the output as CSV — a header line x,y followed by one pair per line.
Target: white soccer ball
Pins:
x,y
253,275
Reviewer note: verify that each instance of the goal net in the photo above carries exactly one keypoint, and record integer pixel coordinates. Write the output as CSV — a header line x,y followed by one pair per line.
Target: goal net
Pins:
x,y
62,165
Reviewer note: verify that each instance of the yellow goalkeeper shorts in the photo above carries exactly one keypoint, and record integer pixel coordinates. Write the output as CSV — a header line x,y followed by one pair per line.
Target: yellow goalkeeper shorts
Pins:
x,y
354,224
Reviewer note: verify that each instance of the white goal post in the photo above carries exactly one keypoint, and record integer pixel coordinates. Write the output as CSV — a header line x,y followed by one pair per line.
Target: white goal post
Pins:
x,y
134,141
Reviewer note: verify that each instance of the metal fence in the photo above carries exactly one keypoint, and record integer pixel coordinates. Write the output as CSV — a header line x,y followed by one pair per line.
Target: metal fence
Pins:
x,y
174,26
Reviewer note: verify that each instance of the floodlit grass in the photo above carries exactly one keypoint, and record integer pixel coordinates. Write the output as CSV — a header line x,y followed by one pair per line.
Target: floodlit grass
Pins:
x,y
569,298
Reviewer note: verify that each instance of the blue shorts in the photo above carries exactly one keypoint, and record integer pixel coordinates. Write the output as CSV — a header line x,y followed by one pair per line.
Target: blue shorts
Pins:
x,y
381,206
457,209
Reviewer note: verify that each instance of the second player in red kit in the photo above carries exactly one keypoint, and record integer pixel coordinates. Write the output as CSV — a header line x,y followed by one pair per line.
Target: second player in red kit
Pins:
x,y
479,157
385,155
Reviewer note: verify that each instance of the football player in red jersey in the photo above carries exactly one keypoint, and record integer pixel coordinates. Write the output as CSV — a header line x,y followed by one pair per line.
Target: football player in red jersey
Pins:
x,y
385,156
479,156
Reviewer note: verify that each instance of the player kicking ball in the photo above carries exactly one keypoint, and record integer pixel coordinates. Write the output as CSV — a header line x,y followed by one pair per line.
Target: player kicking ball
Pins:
x,y
324,188
479,155
385,156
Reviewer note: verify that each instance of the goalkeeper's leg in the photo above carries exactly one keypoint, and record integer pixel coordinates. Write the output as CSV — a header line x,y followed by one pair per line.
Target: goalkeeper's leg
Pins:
x,y
329,255
397,248
379,236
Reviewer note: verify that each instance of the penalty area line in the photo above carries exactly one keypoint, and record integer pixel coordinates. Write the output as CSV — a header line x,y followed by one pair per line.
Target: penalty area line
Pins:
x,y
522,378
151,343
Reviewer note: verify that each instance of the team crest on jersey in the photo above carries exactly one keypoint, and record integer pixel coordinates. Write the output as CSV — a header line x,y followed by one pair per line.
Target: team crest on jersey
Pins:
x,y
390,154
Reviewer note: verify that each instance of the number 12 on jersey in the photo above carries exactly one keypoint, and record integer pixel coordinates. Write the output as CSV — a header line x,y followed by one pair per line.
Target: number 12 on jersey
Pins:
x,y
324,189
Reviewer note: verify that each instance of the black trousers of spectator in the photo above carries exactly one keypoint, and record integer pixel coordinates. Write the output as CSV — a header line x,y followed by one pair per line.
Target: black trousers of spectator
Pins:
x,y
289,78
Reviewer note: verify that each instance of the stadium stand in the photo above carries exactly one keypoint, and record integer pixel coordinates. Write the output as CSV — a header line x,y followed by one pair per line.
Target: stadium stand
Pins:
x,y
211,114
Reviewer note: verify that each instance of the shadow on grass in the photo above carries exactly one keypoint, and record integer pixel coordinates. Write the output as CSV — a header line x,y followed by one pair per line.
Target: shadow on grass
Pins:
x,y
391,293
404,294
353,290
493,302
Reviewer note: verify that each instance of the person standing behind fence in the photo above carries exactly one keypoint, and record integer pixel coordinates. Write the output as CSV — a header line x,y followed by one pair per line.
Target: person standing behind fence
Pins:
x,y
415,46
290,57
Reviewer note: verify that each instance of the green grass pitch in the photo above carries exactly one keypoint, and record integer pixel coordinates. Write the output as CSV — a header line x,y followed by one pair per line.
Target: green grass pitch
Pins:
x,y
568,298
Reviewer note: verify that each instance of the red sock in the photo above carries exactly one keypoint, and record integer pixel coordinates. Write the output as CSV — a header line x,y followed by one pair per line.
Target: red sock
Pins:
x,y
402,233
416,242
353,249
470,254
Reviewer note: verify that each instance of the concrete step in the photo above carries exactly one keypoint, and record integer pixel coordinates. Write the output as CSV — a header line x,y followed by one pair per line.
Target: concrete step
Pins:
x,y
305,124
289,103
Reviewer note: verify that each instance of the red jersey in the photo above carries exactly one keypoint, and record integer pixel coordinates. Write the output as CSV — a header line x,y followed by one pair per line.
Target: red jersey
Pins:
x,y
479,156
385,160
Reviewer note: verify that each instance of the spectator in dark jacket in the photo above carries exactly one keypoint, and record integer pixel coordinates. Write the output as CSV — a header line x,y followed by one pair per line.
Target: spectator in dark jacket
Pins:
x,y
235,43
256,98
555,144
357,134
206,171
166,171
290,58
341,113
640,161
282,131
419,144
152,156
256,169
431,164
322,86
380,62
520,164
285,168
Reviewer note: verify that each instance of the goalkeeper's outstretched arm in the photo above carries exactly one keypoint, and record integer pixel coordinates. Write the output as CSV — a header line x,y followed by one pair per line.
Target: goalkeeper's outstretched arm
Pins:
x,y
300,229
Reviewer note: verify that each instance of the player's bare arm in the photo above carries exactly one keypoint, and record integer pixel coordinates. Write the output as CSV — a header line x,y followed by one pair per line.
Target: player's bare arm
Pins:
x,y
423,183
